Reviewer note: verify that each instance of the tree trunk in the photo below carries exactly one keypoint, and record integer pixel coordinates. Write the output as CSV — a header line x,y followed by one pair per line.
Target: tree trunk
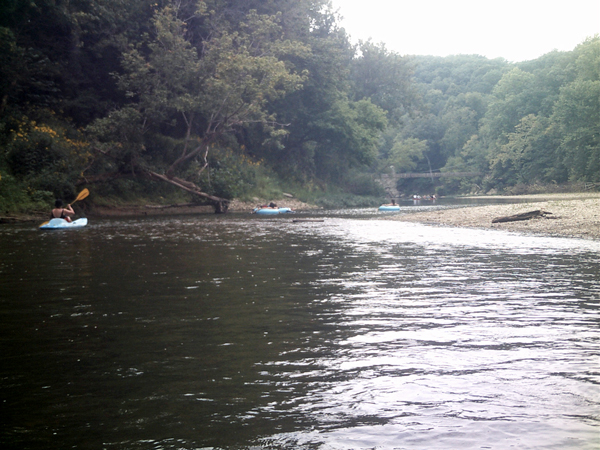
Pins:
x,y
221,204
521,216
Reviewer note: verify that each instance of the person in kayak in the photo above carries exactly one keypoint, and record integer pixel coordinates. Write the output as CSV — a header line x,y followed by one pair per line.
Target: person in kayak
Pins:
x,y
61,213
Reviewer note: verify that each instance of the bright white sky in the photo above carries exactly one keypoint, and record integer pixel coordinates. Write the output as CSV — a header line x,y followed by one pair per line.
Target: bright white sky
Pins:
x,y
517,30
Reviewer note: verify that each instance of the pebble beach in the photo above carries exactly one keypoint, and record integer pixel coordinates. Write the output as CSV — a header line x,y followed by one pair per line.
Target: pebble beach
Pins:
x,y
572,215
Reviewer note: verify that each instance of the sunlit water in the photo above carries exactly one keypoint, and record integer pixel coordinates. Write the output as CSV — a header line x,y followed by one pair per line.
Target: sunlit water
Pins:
x,y
244,332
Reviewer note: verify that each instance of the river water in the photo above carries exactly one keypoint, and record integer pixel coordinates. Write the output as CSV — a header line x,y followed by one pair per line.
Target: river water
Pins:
x,y
246,332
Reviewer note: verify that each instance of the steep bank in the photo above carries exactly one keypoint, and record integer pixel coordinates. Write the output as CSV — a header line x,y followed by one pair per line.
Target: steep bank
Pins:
x,y
573,215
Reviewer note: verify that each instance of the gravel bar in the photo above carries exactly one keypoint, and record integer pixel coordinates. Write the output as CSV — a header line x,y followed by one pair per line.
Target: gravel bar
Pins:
x,y
572,215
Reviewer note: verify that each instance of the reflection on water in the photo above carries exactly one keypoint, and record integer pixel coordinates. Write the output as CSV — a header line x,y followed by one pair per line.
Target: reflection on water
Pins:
x,y
245,332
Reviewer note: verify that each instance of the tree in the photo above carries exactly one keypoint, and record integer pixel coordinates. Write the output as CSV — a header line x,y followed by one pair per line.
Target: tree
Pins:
x,y
512,100
577,116
348,137
529,155
203,92
460,124
385,78
406,153
310,151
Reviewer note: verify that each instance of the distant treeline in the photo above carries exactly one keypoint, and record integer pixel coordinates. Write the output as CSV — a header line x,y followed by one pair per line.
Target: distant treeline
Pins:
x,y
145,98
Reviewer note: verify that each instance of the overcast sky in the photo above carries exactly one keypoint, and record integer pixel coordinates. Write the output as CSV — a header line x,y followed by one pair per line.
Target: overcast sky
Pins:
x,y
517,30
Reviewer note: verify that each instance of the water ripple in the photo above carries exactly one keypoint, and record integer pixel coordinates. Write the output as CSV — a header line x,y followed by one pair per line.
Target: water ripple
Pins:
x,y
355,333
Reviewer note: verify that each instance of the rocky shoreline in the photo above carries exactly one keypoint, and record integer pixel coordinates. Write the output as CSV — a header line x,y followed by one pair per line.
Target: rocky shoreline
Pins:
x,y
572,215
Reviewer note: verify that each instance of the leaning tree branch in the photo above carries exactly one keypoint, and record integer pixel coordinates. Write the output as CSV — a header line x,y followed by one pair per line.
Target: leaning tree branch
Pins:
x,y
221,204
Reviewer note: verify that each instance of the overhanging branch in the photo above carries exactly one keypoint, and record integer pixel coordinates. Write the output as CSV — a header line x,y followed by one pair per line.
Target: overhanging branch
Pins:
x,y
187,186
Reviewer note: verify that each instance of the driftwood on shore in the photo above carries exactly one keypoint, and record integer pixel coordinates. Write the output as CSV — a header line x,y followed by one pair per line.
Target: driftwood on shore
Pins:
x,y
521,216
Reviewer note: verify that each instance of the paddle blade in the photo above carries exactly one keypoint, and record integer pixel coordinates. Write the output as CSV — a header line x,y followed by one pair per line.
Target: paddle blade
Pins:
x,y
47,221
83,194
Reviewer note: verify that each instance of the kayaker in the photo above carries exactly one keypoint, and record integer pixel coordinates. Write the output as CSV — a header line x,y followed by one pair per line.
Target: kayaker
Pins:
x,y
272,205
391,204
61,213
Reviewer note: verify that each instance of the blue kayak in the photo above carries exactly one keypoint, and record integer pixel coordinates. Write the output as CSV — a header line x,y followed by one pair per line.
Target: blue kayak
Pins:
x,y
57,224
389,208
272,211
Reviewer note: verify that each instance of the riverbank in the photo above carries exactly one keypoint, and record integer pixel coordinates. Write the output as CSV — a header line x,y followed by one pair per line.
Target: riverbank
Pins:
x,y
158,210
163,210
293,203
573,215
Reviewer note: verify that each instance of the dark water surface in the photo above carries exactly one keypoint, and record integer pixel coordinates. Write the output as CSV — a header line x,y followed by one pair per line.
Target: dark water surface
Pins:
x,y
236,331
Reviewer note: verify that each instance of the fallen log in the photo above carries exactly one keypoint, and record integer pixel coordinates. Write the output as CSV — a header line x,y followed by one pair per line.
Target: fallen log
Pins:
x,y
521,216
221,205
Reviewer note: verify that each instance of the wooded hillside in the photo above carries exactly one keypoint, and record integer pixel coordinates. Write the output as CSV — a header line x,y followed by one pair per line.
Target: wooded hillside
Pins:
x,y
148,98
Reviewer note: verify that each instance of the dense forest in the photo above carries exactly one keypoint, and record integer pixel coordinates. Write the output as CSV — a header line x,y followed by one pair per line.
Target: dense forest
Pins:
x,y
211,100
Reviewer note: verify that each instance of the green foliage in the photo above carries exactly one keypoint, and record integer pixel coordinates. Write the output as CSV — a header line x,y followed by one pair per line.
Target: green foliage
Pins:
x,y
228,175
363,184
537,124
353,128
44,160
405,154
16,197
202,95
265,184
511,101
519,159
384,77
577,117
198,91
346,137
457,74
